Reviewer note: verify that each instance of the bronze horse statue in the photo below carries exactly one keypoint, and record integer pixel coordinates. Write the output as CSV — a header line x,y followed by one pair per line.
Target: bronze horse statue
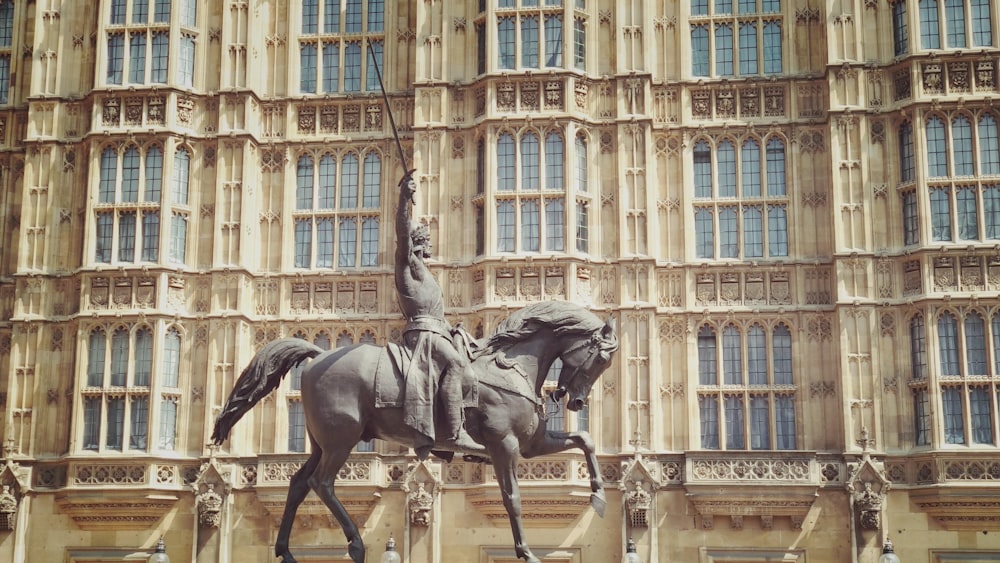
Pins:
x,y
339,400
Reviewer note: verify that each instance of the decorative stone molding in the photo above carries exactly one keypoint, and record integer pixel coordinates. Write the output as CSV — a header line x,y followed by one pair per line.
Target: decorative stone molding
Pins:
x,y
748,484
422,486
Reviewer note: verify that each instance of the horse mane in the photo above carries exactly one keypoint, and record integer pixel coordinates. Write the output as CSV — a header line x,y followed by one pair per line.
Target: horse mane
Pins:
x,y
562,317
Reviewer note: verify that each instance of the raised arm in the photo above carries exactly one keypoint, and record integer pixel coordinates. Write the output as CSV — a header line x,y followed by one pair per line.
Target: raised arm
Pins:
x,y
404,221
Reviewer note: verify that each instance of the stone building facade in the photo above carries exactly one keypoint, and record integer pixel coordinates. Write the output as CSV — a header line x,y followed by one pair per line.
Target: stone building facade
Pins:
x,y
791,207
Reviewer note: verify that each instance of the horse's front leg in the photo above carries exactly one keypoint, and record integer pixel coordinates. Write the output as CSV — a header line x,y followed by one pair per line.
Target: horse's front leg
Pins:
x,y
555,442
505,464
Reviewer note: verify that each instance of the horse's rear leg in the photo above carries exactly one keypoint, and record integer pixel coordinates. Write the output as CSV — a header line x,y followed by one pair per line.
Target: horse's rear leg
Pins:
x,y
297,491
322,482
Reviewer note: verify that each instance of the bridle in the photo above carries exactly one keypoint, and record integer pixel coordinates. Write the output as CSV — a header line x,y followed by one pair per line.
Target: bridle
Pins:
x,y
594,345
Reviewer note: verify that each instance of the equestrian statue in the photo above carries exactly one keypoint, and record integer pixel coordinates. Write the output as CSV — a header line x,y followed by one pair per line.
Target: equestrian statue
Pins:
x,y
438,391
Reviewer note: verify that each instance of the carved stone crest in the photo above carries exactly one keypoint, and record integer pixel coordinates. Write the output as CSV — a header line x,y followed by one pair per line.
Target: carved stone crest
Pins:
x,y
422,487
8,509
209,507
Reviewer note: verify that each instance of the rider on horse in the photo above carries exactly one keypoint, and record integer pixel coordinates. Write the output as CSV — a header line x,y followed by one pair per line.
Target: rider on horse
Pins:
x,y
427,337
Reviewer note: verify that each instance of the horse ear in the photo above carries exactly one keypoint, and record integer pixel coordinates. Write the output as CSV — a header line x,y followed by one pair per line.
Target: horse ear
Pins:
x,y
609,327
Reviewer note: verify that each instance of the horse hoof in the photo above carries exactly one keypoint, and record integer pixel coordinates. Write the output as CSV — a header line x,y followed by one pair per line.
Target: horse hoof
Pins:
x,y
287,558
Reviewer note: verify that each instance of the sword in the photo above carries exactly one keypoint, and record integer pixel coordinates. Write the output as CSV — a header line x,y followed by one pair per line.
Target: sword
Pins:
x,y
392,121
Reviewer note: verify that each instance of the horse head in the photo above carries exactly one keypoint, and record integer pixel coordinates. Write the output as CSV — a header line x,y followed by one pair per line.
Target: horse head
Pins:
x,y
583,362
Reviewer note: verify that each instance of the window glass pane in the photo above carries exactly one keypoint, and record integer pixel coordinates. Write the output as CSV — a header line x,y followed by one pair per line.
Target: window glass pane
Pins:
x,y
6,23
529,162
732,356
150,236
782,346
303,243
143,357
349,182
119,357
579,52
307,68
771,6
707,361
505,226
726,155
347,252
729,242
324,243
699,50
930,35
171,359
996,343
753,233
906,162
95,358
777,231
704,242
554,226
940,215
750,168
116,54
991,211
182,173
954,423
104,228
975,345
331,66
699,7
785,422
582,227
4,78
583,419
918,349
775,167
116,424
748,48
556,421
352,67
735,423
554,175
529,41
189,12
161,11
982,29
373,181
948,344
968,218
756,356
772,48
168,424
117,11
304,183
581,164
989,150
126,236
724,49
900,29
178,238
109,172
961,134
760,421
505,162
376,16
747,6
553,41
922,419
702,170
910,222
137,58
352,18
331,16
529,226
981,415
371,76
955,18
505,39
310,16
139,423
723,6
296,427
91,423
186,67
708,410
160,58
369,243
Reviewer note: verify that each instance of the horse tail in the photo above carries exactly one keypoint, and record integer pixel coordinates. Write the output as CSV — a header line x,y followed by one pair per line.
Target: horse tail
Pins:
x,y
261,376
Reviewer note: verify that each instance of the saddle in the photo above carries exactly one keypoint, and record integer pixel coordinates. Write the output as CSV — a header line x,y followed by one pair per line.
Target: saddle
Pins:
x,y
395,360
